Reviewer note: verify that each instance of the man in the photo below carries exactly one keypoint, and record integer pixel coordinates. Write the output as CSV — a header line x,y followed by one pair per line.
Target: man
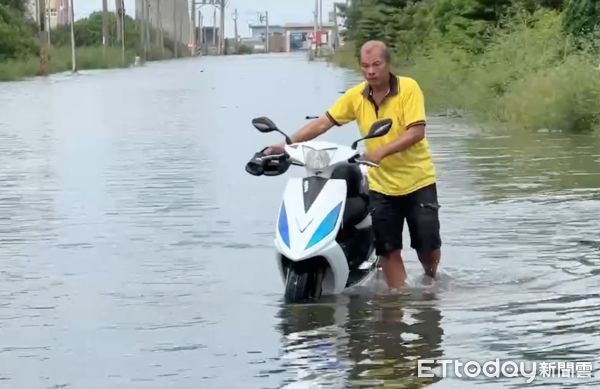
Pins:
x,y
403,187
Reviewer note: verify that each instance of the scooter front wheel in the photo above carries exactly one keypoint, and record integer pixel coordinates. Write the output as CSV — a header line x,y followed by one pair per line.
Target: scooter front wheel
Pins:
x,y
303,286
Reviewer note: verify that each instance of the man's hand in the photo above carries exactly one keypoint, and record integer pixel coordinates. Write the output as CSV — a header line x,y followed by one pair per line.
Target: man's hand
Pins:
x,y
275,149
375,156
308,132
411,137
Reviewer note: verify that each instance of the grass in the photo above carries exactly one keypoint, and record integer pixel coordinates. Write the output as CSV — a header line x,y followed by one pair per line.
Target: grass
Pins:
x,y
530,77
60,61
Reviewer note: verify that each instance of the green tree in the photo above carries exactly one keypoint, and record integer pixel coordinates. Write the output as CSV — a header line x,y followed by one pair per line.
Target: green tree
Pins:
x,y
88,31
16,38
581,16
400,24
19,5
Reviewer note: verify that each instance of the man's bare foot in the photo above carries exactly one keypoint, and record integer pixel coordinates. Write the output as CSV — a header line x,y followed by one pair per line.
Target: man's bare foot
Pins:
x,y
430,261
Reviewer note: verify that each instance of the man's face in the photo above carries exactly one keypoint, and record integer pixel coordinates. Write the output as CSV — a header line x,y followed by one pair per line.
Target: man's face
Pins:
x,y
374,67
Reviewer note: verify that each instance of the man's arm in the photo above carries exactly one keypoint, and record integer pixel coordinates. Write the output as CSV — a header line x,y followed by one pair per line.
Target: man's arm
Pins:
x,y
313,129
310,131
411,137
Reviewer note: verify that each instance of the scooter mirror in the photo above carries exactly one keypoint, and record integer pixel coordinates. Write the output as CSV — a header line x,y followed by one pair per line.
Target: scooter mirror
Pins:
x,y
379,128
264,124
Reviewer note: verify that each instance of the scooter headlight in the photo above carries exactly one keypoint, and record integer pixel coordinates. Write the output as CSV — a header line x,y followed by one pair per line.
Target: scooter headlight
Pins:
x,y
316,159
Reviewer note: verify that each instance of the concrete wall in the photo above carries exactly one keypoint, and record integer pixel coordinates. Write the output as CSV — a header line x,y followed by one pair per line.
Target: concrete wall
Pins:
x,y
174,17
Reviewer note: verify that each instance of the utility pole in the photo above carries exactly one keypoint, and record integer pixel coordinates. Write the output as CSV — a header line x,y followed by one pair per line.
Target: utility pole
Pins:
x,y
222,29
43,70
175,40
121,14
268,32
144,27
235,30
119,24
147,37
73,59
159,35
214,29
201,33
48,26
181,17
38,13
336,34
193,27
265,19
320,15
104,26
316,27
142,23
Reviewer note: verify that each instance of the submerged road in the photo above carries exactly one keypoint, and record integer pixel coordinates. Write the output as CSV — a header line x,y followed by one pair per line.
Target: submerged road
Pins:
x,y
135,252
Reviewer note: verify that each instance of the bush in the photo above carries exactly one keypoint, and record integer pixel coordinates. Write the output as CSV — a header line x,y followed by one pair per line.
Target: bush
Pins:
x,y
60,61
245,49
564,97
530,75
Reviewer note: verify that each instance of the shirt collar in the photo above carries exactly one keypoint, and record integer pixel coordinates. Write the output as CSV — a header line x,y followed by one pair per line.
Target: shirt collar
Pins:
x,y
393,87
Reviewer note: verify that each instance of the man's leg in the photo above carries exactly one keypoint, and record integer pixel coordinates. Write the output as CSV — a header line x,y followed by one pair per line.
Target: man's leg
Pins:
x,y
393,269
424,227
388,221
430,261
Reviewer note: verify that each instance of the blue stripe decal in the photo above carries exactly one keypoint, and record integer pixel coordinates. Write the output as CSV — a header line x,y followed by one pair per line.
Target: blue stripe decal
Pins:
x,y
327,225
283,226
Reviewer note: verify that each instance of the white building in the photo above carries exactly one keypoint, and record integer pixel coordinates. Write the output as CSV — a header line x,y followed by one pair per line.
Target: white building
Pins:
x,y
58,12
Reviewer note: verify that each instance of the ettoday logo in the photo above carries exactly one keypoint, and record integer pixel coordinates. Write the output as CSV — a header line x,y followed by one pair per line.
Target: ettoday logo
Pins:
x,y
506,369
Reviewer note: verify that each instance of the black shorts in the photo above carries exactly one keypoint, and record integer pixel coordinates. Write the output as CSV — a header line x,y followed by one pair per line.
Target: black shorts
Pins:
x,y
420,209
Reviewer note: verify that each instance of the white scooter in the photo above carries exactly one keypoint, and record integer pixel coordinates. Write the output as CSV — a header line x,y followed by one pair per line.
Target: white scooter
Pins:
x,y
324,238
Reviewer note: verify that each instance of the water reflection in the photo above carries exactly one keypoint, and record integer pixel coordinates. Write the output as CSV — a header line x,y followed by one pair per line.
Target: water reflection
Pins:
x,y
361,341
512,164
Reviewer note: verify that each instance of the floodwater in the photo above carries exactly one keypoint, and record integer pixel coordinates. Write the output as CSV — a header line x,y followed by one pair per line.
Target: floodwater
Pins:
x,y
135,252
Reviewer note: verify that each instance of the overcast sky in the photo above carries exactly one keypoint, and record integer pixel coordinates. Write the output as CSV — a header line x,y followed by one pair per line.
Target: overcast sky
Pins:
x,y
280,11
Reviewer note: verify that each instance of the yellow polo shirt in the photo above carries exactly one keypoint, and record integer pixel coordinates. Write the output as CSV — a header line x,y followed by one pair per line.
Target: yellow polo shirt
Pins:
x,y
398,173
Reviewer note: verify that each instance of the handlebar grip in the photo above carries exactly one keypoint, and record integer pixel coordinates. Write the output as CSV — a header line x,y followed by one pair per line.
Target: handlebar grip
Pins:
x,y
274,156
356,159
368,163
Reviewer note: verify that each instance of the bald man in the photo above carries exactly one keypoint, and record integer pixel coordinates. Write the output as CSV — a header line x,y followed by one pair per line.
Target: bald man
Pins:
x,y
403,187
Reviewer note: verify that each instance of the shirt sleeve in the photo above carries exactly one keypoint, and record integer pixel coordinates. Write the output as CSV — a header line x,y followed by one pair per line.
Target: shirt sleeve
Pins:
x,y
414,105
342,110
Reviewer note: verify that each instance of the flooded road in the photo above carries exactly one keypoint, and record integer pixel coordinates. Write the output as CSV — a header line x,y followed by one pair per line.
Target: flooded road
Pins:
x,y
136,252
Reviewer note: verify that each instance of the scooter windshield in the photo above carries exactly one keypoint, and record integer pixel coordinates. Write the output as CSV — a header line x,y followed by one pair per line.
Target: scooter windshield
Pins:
x,y
317,159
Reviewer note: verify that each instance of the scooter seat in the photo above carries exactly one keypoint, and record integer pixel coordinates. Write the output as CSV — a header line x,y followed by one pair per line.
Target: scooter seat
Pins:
x,y
357,208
